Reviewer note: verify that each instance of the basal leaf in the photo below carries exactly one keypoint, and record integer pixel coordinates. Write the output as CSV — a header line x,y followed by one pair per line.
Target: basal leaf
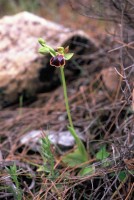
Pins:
x,y
102,153
80,145
87,171
74,158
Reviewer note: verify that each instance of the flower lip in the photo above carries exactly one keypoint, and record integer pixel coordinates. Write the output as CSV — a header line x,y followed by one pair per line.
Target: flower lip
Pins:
x,y
57,61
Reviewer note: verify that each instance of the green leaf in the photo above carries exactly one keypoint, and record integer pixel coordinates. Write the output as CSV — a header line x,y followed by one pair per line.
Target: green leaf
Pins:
x,y
43,50
122,175
102,153
68,56
73,159
80,145
87,171
40,169
42,42
44,168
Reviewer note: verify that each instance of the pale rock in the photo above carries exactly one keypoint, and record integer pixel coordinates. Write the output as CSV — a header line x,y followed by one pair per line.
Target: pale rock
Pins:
x,y
62,139
23,71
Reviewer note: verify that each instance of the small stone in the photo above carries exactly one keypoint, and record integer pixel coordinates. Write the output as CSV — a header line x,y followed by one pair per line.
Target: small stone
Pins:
x,y
62,139
111,79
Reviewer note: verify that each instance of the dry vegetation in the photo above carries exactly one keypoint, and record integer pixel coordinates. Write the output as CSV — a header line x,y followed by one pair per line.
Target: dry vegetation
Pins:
x,y
101,107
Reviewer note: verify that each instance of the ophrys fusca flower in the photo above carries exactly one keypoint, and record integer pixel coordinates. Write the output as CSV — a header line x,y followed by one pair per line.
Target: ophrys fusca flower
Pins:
x,y
59,56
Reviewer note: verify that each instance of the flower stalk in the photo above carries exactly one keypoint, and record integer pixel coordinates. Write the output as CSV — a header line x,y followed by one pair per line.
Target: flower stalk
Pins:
x,y
66,97
58,60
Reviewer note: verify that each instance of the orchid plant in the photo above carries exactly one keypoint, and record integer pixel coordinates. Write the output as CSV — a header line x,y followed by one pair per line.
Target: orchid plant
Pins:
x,y
58,60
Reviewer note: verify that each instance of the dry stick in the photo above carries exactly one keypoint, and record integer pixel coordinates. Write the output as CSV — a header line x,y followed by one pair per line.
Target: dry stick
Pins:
x,y
119,187
131,190
133,99
28,190
114,120
48,189
124,45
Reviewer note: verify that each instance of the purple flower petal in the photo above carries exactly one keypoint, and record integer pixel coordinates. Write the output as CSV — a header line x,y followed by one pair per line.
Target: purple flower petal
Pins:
x,y
57,61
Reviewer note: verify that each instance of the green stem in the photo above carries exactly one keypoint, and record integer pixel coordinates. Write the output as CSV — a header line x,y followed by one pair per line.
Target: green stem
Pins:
x,y
65,96
81,147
